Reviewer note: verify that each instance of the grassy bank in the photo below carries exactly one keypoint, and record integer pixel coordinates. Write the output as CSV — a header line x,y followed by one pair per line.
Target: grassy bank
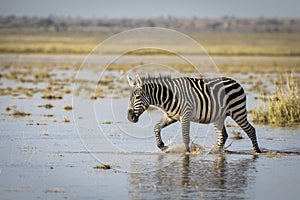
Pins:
x,y
225,44
282,108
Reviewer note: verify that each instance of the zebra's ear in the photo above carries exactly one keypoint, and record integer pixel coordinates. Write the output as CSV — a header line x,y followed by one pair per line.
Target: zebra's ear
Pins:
x,y
130,81
138,81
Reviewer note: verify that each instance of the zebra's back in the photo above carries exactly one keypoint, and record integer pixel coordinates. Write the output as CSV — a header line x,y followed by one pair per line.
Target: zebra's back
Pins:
x,y
214,98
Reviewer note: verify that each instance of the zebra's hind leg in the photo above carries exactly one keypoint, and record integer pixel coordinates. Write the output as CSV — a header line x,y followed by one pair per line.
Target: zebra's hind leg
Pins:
x,y
243,122
222,134
166,121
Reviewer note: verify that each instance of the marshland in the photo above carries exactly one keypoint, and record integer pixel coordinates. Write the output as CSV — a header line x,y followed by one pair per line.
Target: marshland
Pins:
x,y
64,129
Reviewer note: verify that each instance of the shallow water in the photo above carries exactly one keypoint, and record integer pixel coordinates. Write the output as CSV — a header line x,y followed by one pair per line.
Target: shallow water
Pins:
x,y
45,156
60,164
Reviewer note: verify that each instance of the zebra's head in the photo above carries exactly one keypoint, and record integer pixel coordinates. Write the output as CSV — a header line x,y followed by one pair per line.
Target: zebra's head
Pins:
x,y
139,101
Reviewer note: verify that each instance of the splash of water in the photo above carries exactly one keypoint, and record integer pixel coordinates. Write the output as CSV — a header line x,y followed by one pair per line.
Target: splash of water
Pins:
x,y
180,148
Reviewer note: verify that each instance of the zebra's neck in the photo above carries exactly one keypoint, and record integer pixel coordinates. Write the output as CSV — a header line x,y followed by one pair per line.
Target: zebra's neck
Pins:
x,y
159,94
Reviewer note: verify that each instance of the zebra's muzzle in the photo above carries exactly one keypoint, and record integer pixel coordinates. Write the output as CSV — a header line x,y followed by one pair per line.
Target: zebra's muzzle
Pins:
x,y
132,117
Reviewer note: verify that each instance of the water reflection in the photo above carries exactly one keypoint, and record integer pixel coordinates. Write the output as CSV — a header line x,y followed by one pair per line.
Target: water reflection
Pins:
x,y
194,177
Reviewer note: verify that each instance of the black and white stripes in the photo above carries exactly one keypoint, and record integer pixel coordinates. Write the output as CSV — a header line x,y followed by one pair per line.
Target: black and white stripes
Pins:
x,y
191,100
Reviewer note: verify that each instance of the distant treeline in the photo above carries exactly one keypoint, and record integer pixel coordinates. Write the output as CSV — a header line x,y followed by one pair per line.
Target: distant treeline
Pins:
x,y
51,24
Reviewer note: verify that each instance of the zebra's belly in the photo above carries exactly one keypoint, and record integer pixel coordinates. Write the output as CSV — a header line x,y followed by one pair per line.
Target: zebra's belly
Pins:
x,y
201,121
194,118
173,116
199,117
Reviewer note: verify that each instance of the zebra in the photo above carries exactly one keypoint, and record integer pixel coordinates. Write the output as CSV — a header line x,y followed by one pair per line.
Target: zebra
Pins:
x,y
184,99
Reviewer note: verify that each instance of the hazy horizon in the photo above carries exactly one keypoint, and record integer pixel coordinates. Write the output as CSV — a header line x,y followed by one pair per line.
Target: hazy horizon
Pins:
x,y
154,8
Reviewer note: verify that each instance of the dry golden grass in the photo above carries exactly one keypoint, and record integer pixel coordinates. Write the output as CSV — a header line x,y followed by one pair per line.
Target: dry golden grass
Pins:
x,y
241,65
239,44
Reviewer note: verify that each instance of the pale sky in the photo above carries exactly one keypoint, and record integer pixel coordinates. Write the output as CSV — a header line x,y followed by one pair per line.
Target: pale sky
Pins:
x,y
152,8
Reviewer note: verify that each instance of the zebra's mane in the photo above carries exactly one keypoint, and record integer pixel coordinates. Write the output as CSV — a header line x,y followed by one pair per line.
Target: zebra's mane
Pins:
x,y
155,79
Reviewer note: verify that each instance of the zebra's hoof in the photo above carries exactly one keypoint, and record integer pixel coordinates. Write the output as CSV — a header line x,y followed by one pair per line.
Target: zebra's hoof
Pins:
x,y
257,151
164,148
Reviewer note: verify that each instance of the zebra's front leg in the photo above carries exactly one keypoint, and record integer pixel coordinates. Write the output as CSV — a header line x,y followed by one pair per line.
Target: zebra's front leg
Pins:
x,y
185,125
166,121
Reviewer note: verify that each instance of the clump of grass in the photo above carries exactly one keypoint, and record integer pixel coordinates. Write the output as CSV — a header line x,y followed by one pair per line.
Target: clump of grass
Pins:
x,y
107,122
47,106
65,120
283,107
237,135
102,166
12,111
98,93
67,108
17,113
52,96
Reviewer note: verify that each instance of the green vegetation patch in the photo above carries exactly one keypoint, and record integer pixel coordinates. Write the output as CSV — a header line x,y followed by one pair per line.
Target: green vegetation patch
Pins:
x,y
283,107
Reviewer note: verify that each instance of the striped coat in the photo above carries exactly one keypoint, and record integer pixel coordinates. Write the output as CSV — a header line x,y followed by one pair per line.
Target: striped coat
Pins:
x,y
191,100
